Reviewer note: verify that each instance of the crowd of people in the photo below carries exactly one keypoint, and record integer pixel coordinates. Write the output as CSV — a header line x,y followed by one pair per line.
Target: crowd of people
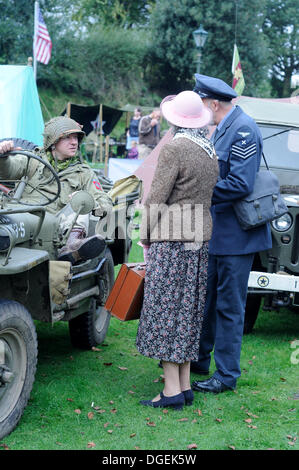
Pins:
x,y
198,256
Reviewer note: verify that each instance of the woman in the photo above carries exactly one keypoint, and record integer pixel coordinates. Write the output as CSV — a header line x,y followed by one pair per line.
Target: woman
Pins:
x,y
177,225
133,132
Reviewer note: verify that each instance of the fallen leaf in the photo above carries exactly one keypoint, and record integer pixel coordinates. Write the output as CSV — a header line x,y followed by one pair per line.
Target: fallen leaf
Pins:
x,y
133,434
101,411
248,420
78,411
90,445
219,420
122,368
192,446
232,447
69,399
165,411
111,402
5,446
90,415
151,423
95,349
291,443
183,419
131,391
106,424
114,410
108,363
199,412
283,379
110,431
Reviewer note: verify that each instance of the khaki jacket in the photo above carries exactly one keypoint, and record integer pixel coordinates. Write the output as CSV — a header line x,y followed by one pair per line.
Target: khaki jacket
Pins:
x,y
78,176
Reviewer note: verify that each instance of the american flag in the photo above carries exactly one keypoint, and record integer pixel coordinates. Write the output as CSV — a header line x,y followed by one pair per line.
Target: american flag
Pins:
x,y
43,43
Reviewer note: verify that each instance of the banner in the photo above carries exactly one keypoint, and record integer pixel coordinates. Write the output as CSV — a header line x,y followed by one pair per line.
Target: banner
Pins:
x,y
238,79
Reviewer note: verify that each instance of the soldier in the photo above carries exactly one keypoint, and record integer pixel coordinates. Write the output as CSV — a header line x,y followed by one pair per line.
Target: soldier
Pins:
x,y
238,144
62,137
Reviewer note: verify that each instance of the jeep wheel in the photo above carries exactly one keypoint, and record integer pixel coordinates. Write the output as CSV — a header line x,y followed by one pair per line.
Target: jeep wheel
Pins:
x,y
252,308
90,328
18,358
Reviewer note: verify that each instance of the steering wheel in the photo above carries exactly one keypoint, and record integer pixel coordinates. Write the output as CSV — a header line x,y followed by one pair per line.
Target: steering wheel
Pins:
x,y
15,195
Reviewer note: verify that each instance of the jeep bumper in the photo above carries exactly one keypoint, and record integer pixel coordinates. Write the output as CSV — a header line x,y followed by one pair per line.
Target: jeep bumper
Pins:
x,y
273,282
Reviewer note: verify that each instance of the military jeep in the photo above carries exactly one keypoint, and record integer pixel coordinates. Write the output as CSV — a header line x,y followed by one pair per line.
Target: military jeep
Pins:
x,y
275,273
29,274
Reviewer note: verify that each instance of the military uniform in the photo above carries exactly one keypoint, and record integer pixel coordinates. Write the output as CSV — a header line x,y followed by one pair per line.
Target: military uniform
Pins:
x,y
77,176
238,145
74,176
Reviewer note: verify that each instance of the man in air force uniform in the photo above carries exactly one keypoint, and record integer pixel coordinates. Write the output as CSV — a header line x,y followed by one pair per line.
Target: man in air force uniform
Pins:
x,y
238,144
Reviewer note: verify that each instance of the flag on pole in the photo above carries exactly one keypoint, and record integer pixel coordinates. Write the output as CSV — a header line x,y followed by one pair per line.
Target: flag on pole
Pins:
x,y
42,40
238,79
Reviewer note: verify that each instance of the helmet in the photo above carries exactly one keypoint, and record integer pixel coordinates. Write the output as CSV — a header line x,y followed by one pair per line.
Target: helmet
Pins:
x,y
59,127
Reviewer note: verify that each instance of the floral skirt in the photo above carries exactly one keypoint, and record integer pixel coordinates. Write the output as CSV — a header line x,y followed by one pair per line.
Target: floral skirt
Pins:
x,y
174,298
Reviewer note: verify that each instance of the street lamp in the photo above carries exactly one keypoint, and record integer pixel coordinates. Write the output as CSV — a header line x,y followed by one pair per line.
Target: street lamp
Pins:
x,y
200,37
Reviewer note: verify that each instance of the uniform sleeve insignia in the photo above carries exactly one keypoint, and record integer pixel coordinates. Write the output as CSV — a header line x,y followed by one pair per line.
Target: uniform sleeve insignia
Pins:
x,y
244,152
244,134
98,185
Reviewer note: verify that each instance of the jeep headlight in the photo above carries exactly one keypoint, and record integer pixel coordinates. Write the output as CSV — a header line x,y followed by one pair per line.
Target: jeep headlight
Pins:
x,y
283,223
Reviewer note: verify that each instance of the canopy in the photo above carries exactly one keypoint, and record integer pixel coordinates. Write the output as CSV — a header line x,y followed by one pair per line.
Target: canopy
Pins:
x,y
20,111
90,117
271,111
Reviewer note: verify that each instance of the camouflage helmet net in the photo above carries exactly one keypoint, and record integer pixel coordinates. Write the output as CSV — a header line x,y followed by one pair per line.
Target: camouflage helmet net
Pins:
x,y
59,127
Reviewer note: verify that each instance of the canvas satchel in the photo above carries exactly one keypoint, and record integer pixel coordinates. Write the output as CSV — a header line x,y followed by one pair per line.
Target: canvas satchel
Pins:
x,y
263,204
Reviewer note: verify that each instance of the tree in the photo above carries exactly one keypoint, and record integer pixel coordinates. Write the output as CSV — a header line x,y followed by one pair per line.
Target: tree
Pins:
x,y
121,13
173,54
281,26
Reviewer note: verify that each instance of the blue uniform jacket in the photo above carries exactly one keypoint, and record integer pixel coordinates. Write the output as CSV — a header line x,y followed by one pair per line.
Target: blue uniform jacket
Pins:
x,y
238,146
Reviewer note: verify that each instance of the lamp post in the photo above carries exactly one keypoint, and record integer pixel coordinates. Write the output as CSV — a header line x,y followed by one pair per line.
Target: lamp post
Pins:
x,y
200,37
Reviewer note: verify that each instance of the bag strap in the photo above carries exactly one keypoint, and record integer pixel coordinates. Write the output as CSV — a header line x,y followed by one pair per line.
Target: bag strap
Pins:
x,y
265,161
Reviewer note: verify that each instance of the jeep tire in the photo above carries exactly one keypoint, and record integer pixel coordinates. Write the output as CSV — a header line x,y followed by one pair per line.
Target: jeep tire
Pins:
x,y
90,328
18,359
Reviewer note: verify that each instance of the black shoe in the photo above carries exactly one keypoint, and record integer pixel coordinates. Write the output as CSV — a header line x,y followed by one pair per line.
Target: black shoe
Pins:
x,y
176,402
197,370
189,396
211,385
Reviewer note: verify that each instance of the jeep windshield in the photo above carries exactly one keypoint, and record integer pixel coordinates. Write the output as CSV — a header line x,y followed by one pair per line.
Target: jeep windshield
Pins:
x,y
281,147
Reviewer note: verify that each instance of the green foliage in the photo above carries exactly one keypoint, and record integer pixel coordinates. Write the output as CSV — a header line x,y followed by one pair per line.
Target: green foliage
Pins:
x,y
121,13
106,66
173,50
281,27
16,31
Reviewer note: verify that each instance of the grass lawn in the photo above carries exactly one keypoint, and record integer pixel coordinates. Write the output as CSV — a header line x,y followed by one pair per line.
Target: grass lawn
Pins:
x,y
90,399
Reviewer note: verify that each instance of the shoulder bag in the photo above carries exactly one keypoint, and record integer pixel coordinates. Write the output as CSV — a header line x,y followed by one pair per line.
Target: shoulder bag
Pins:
x,y
263,204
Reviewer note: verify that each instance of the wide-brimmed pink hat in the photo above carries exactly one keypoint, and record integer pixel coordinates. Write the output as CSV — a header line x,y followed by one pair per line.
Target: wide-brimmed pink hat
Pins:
x,y
186,110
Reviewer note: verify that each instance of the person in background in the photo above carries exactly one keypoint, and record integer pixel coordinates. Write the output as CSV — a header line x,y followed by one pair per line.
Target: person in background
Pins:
x,y
133,152
176,270
149,133
62,137
132,132
238,144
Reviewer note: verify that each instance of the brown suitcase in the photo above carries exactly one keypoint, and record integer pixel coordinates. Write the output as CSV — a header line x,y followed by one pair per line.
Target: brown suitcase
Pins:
x,y
126,296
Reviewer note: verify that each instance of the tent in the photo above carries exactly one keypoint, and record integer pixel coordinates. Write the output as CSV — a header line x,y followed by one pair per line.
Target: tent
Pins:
x,y
20,111
94,117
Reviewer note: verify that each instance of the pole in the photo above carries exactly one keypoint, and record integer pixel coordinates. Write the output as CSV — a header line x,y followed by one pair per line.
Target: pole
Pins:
x,y
198,60
34,36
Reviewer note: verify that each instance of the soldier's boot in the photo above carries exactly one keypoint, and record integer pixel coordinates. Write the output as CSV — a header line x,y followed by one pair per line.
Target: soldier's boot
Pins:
x,y
80,248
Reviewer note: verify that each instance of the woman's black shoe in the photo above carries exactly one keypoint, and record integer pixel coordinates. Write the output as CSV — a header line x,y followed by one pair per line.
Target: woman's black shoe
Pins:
x,y
189,396
176,402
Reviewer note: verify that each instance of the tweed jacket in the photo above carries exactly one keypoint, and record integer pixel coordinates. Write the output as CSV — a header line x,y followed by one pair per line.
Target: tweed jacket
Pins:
x,y
178,205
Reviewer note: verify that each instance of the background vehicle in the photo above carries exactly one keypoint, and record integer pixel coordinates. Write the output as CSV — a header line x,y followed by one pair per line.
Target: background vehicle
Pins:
x,y
275,273
29,239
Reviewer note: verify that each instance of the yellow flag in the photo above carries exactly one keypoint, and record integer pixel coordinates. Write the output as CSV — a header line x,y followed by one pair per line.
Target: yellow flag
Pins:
x,y
238,79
